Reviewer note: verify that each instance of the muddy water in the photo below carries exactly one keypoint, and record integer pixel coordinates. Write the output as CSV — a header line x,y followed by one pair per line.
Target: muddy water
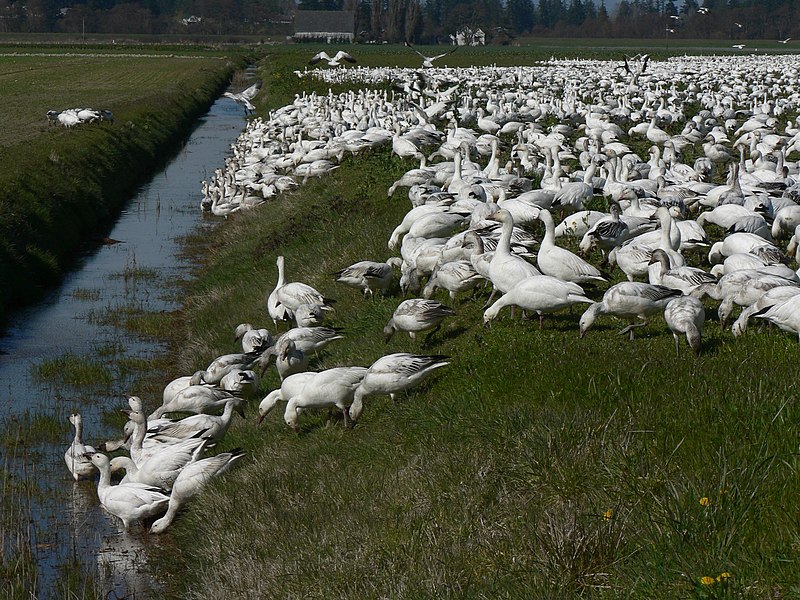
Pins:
x,y
69,529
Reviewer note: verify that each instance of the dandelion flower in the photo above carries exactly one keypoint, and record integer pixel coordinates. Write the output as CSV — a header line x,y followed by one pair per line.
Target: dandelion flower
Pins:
x,y
608,514
704,501
724,576
706,580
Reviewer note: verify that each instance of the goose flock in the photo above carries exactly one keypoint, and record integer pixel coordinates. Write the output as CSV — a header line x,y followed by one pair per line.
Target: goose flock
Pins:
x,y
571,182
77,116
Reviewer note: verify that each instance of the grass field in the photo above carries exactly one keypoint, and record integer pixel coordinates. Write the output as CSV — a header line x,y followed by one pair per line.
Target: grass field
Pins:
x,y
60,187
537,465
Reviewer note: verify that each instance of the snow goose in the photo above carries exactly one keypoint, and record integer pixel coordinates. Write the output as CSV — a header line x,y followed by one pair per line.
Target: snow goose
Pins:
x,y
191,480
290,387
309,315
160,469
193,399
312,339
78,463
686,315
507,269
629,300
417,315
130,502
293,294
454,276
606,233
541,294
768,299
288,358
331,61
242,383
744,288
210,426
368,275
785,315
689,280
393,373
577,224
253,339
332,387
561,263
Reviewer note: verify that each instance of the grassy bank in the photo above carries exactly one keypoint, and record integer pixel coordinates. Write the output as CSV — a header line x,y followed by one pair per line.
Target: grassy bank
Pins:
x,y
60,187
537,465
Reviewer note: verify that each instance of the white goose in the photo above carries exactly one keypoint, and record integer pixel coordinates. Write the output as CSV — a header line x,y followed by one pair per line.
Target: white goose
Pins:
x,y
689,280
393,373
293,294
78,463
160,469
686,315
191,480
417,315
290,387
253,339
368,275
629,300
194,399
561,263
130,502
507,269
770,298
785,315
332,387
541,294
288,358
210,426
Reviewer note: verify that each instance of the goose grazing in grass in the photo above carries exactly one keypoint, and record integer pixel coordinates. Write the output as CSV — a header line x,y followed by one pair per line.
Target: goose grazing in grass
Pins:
x,y
130,502
309,315
245,97
253,339
454,276
541,294
312,339
606,233
191,480
785,315
293,294
332,387
629,300
559,262
417,315
78,463
685,316
242,383
770,298
368,275
393,373
290,387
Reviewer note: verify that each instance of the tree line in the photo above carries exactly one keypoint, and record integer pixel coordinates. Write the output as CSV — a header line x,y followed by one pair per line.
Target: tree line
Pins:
x,y
419,21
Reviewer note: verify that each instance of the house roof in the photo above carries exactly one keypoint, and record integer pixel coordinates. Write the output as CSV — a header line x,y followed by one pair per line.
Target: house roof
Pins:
x,y
330,21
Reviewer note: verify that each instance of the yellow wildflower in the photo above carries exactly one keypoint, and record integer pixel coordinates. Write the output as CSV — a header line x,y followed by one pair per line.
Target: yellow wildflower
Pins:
x,y
724,576
706,580
704,501
608,514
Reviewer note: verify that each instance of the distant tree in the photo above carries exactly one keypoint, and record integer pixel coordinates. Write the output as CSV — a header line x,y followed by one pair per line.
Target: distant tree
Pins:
x,y
576,13
521,15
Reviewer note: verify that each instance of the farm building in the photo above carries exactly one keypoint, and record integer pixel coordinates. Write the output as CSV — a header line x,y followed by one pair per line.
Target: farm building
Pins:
x,y
324,26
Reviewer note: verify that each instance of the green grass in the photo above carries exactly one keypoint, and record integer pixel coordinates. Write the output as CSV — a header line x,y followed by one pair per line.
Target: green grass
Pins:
x,y
60,187
537,465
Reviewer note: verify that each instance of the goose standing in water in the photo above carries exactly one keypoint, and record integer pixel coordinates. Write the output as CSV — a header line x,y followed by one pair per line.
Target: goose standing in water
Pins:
x,y
393,373
130,502
417,315
686,315
78,463
191,480
629,300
